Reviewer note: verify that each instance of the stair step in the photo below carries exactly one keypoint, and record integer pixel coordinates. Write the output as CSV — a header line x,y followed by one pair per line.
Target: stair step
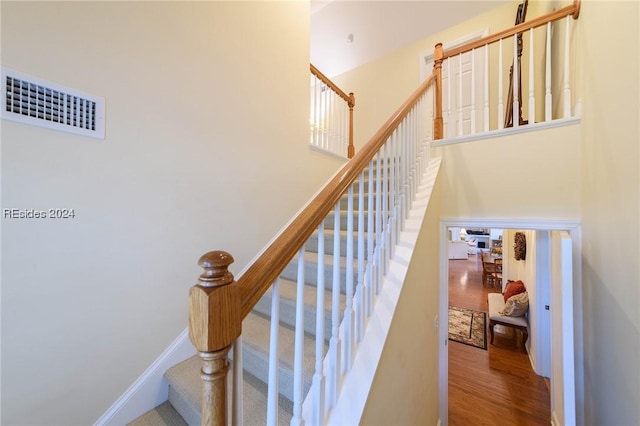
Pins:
x,y
329,221
312,243
163,415
288,292
185,393
256,334
185,389
290,271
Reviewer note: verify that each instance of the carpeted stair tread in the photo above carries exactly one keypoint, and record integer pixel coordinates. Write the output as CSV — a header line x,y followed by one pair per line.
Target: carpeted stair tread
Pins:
x,y
256,336
185,392
312,243
329,221
288,294
290,271
185,389
163,415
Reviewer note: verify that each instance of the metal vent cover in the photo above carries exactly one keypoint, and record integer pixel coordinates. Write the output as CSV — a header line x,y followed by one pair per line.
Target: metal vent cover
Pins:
x,y
34,101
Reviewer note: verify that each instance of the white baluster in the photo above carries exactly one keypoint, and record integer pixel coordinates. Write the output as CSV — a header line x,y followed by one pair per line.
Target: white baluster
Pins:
x,y
515,112
329,98
343,145
385,207
318,376
532,99
500,100
319,115
460,127
547,89
272,391
378,248
335,344
486,89
449,126
566,92
314,108
414,155
473,91
393,192
361,258
348,316
370,243
298,359
406,165
237,408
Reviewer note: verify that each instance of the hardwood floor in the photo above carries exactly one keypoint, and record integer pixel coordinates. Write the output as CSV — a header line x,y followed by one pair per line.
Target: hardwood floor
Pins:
x,y
496,386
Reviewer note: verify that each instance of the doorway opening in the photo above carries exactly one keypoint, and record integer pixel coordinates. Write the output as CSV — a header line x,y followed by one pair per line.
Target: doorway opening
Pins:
x,y
551,271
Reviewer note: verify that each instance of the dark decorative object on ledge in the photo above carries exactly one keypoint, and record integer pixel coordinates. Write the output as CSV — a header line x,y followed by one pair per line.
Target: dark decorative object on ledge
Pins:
x,y
520,246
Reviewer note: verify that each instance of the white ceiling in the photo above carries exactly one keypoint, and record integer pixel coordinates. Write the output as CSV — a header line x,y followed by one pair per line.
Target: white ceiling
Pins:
x,y
379,27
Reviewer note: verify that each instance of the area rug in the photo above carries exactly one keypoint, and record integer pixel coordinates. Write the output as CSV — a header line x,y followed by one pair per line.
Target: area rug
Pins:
x,y
468,326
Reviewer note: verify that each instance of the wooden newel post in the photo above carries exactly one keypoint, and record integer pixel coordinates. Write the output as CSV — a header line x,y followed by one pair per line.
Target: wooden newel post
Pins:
x,y
352,102
438,56
214,324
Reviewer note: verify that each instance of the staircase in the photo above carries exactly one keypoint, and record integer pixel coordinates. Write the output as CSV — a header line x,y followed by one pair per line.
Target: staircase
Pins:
x,y
185,384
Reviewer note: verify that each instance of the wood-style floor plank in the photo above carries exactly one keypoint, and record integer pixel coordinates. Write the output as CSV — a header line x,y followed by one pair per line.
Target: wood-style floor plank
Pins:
x,y
496,386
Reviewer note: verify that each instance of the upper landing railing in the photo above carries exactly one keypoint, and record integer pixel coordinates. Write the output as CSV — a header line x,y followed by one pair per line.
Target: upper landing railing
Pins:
x,y
331,116
473,97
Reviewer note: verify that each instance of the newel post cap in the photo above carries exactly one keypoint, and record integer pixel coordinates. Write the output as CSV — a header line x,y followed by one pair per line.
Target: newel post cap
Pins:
x,y
216,269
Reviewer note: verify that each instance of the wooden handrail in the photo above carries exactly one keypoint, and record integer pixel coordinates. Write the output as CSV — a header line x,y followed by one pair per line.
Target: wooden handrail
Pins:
x,y
573,9
350,99
257,279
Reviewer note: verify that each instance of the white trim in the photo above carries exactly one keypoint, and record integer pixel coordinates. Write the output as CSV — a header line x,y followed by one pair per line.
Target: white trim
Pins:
x,y
509,131
511,223
150,389
573,227
327,152
554,419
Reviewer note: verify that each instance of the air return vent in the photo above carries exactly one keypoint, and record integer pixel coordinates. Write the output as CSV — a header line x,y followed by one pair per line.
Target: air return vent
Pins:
x,y
31,100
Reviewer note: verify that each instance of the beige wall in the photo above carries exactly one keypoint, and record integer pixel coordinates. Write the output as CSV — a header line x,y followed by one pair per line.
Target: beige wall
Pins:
x,y
610,51
202,152
527,175
405,387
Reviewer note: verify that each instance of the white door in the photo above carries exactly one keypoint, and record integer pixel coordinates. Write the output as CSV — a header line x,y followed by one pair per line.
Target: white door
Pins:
x,y
563,404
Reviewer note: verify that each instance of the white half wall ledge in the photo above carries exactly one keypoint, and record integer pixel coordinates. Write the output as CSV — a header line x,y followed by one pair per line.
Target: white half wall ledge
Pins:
x,y
508,131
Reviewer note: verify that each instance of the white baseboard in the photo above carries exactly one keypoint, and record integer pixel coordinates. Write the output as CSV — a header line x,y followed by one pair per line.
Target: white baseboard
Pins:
x,y
150,389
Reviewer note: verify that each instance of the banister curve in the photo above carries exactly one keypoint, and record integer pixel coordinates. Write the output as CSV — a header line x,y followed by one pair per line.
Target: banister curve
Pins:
x,y
255,281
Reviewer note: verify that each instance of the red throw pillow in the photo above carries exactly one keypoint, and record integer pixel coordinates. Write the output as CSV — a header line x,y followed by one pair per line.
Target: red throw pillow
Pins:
x,y
514,288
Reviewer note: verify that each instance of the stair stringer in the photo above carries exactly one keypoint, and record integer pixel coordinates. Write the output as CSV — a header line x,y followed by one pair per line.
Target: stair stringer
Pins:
x,y
357,384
